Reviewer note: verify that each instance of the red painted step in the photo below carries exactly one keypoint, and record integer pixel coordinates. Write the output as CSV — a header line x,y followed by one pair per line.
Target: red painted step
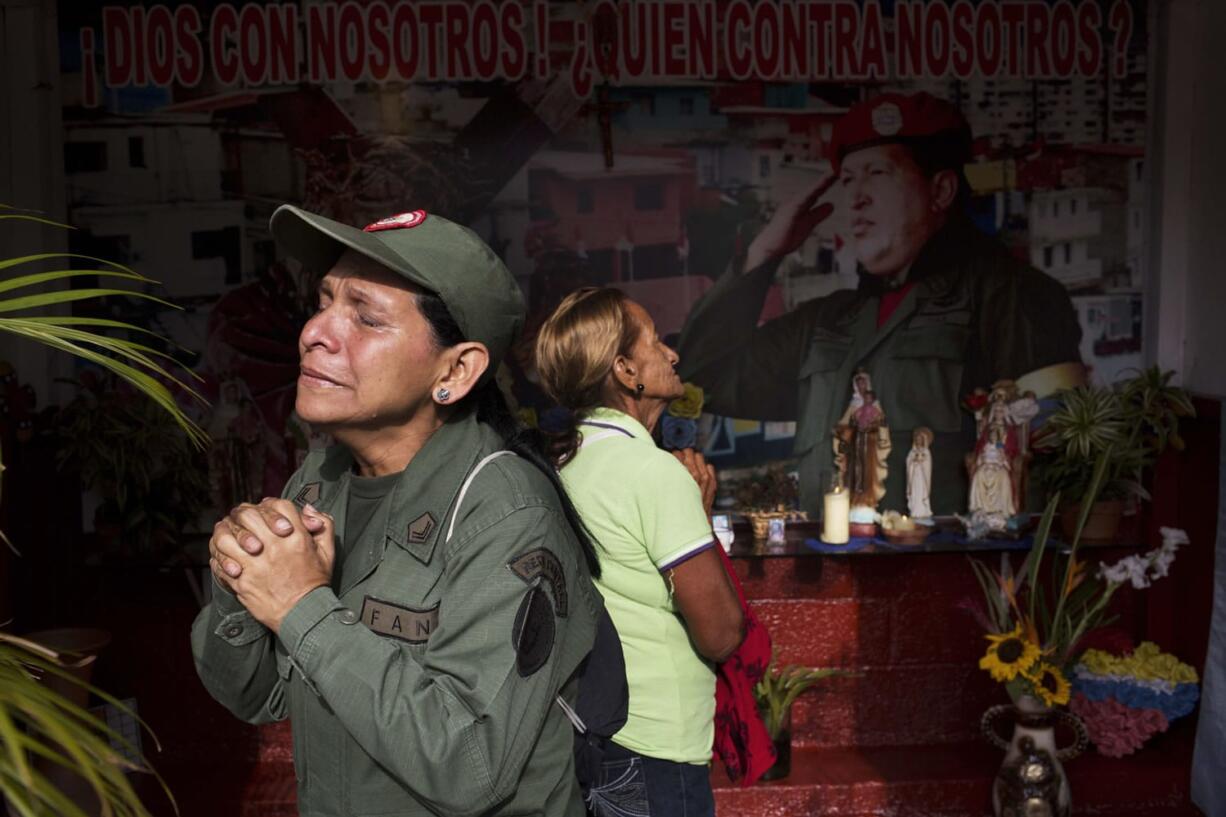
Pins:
x,y
954,780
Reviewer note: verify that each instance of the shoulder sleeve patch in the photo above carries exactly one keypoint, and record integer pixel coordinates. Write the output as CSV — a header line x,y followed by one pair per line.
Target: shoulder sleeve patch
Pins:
x,y
533,632
540,562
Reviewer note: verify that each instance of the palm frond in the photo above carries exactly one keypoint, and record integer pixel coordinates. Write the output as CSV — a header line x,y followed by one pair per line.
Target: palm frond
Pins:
x,y
5,263
38,726
67,296
38,219
143,381
35,279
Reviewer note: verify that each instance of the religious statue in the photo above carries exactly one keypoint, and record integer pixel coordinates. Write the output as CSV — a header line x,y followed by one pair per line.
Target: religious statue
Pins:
x,y
919,474
1002,446
861,384
862,445
991,485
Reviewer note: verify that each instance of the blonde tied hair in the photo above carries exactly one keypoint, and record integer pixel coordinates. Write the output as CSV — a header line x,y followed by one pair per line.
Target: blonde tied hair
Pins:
x,y
579,343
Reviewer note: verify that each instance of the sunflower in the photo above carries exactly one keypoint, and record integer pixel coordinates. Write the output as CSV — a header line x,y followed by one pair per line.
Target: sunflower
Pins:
x,y
1049,683
1009,654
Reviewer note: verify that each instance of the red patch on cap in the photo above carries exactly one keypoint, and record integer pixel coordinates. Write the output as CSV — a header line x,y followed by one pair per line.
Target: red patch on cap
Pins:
x,y
400,221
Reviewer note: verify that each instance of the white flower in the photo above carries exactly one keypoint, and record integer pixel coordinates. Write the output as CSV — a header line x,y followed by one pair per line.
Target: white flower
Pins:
x,y
1161,562
1141,571
1137,569
1116,573
1173,537
1129,569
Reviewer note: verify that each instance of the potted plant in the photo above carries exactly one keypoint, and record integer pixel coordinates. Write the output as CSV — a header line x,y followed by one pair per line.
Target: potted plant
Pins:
x,y
1128,424
41,729
775,693
773,494
151,478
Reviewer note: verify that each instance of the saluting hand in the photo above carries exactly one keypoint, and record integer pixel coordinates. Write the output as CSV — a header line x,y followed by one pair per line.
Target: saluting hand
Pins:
x,y
792,223
270,556
702,472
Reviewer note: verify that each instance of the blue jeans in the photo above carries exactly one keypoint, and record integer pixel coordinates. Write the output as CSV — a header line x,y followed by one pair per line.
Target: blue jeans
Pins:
x,y
633,785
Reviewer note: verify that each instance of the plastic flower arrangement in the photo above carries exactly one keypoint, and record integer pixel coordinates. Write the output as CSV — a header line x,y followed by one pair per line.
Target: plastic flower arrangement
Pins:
x,y
1034,626
1125,700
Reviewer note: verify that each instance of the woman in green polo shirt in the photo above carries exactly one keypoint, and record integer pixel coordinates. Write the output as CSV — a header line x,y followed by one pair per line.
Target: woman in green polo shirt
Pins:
x,y
665,588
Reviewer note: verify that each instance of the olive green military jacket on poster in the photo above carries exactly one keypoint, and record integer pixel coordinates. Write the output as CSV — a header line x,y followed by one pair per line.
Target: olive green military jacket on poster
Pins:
x,y
974,316
423,680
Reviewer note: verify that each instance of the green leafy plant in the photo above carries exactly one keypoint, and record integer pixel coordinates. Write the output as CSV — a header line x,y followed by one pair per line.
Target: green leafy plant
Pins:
x,y
37,726
153,481
1128,424
779,688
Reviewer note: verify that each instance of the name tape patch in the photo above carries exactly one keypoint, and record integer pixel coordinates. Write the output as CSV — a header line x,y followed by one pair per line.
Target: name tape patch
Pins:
x,y
406,623
540,562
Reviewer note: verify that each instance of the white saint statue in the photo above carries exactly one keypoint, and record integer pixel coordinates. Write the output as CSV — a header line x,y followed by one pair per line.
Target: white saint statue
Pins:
x,y
991,486
919,474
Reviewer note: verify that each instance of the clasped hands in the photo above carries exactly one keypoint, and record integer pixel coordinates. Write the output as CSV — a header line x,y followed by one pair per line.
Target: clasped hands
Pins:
x,y
271,555
702,472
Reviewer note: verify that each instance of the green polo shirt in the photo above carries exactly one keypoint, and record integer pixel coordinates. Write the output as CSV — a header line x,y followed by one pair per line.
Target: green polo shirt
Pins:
x,y
645,512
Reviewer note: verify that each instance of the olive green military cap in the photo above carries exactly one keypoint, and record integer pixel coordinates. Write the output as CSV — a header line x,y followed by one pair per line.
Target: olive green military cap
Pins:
x,y
430,251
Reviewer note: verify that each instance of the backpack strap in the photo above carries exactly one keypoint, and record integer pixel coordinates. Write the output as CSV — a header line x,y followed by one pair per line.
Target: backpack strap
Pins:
x,y
571,714
468,481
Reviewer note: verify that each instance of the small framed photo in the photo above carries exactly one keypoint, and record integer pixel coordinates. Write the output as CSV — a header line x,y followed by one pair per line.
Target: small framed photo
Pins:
x,y
721,523
776,532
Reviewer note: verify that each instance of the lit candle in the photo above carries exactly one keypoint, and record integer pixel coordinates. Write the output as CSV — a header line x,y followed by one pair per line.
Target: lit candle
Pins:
x,y
836,511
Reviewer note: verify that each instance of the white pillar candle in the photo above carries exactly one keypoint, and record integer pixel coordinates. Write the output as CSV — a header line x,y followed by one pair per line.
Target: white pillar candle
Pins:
x,y
836,511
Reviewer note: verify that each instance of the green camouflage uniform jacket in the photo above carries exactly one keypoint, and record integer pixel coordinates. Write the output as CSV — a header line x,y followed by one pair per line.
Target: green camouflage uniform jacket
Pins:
x,y
423,680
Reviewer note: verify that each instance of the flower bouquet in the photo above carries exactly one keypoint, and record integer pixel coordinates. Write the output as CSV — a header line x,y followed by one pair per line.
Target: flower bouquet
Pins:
x,y
1034,627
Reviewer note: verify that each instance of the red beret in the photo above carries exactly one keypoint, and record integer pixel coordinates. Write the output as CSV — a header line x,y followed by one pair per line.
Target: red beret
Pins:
x,y
900,118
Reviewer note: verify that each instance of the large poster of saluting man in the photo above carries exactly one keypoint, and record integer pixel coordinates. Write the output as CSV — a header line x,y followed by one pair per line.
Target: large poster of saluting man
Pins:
x,y
944,194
